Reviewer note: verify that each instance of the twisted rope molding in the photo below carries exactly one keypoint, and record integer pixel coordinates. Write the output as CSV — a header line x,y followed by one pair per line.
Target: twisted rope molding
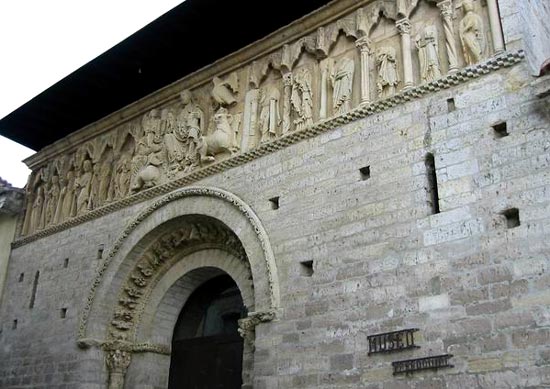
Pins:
x,y
179,194
503,60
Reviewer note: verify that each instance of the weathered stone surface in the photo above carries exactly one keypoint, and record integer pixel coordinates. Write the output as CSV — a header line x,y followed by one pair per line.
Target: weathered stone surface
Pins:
x,y
332,254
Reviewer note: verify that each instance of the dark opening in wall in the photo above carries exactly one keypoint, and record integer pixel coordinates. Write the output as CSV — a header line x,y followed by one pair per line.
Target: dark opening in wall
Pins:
x,y
63,313
21,277
501,130
66,263
14,325
34,287
274,202
512,217
432,191
100,251
306,268
365,173
451,107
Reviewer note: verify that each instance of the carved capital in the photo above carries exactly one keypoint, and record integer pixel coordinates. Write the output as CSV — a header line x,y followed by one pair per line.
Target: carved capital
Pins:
x,y
364,45
403,26
446,7
118,361
247,326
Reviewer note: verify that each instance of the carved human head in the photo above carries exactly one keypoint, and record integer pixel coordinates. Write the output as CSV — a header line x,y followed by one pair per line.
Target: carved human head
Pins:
x,y
87,165
186,97
468,5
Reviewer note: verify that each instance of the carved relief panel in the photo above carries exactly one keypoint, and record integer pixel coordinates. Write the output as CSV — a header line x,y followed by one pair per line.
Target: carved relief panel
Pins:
x,y
381,49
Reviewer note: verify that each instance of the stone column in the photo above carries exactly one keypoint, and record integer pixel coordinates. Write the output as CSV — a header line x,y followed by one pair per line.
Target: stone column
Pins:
x,y
287,82
496,29
324,80
117,363
364,47
446,7
404,27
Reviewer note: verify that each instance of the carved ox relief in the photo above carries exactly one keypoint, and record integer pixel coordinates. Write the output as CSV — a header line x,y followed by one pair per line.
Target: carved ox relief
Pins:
x,y
390,46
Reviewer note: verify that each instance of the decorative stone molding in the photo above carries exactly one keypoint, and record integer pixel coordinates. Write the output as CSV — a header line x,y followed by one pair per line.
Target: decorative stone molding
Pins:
x,y
125,315
503,60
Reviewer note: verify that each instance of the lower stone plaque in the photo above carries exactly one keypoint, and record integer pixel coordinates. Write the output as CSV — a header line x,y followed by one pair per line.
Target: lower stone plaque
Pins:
x,y
411,365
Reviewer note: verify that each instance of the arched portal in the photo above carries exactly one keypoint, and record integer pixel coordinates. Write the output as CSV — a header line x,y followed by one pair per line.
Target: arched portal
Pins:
x,y
171,248
207,350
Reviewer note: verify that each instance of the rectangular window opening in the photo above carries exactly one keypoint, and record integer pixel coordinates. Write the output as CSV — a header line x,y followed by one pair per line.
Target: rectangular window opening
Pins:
x,y
451,107
501,130
34,287
274,202
100,251
306,268
432,190
512,217
14,325
21,277
365,173
66,262
63,313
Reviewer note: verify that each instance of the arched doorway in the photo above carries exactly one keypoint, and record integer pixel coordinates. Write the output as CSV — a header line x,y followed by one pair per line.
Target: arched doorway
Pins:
x,y
207,350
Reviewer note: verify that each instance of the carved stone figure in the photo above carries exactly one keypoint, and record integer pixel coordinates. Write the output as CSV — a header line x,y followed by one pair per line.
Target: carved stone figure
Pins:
x,y
105,173
174,140
51,200
471,34
342,84
301,99
123,169
224,90
148,160
428,53
270,117
223,138
37,222
190,129
68,197
387,71
84,188
287,92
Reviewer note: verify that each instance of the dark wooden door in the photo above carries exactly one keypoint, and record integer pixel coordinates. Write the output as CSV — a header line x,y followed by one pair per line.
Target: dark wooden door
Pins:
x,y
211,362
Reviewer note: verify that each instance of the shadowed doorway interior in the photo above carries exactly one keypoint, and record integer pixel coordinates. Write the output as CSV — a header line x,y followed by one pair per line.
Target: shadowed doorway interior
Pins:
x,y
207,351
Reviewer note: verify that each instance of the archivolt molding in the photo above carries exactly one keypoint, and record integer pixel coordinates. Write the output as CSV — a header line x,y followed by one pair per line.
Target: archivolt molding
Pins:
x,y
194,236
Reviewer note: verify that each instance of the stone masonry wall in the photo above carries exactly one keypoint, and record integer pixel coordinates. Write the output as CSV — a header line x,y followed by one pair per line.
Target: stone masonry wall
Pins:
x,y
473,282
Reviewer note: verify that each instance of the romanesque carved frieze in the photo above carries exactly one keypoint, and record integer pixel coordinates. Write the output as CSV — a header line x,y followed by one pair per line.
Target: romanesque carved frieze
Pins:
x,y
375,52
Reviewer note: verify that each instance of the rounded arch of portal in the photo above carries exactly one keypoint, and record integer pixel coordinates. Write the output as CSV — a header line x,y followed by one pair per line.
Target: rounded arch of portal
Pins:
x,y
230,215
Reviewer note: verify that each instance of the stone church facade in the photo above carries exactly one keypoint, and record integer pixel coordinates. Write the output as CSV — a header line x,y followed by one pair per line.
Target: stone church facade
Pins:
x,y
374,178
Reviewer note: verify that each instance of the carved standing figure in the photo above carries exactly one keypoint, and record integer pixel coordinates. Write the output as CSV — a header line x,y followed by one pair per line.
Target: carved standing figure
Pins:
x,y
387,71
301,99
123,169
270,117
105,173
471,34
190,127
52,200
174,139
84,187
428,53
342,84
68,196
38,212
